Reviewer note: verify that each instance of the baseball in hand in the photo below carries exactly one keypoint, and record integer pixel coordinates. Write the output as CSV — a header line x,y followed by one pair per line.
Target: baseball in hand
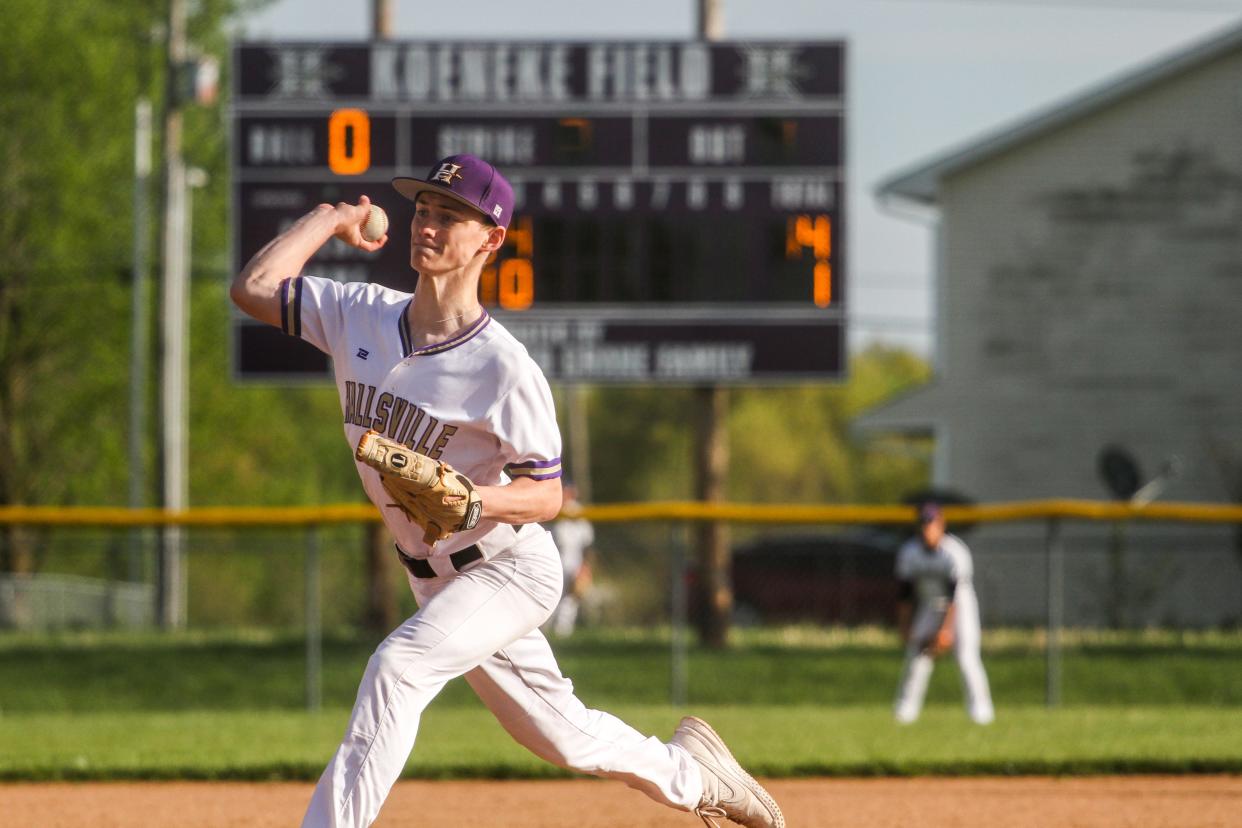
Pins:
x,y
377,224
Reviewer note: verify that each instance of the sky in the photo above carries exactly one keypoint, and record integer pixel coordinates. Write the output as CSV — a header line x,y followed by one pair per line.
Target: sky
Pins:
x,y
924,77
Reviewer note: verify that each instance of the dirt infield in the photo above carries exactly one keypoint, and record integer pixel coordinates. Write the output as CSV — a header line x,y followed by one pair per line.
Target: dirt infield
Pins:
x,y
1020,802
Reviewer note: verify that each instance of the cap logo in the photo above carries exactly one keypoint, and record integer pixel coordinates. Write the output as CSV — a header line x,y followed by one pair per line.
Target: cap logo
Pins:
x,y
447,173
497,210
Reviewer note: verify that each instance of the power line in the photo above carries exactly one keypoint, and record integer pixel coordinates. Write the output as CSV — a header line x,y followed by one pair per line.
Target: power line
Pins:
x,y
1102,5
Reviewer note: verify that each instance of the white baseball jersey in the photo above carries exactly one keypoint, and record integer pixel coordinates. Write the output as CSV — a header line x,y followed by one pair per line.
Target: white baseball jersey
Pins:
x,y
479,402
476,401
934,572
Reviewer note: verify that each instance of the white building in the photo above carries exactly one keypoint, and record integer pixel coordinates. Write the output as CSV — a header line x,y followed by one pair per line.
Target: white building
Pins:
x,y
1089,293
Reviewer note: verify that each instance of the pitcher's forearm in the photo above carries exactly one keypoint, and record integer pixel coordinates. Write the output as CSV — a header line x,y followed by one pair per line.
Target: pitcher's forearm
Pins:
x,y
522,501
255,289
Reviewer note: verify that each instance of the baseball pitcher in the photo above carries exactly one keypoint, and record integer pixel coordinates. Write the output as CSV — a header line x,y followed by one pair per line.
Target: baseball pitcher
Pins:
x,y
452,427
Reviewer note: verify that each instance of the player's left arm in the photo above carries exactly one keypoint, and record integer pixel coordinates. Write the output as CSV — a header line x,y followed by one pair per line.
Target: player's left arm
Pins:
x,y
525,500
524,421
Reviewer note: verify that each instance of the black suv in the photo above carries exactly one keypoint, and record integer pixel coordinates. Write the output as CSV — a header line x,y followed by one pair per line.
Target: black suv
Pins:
x,y
829,578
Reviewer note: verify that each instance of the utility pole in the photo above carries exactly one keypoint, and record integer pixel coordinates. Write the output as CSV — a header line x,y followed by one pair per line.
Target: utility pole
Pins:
x,y
381,603
711,20
712,461
174,366
381,19
140,329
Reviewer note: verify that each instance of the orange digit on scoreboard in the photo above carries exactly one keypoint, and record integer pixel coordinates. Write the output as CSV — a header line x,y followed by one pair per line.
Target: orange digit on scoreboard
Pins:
x,y
517,284
821,290
346,157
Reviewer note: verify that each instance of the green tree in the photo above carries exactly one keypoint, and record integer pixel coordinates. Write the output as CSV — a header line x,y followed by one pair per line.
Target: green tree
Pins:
x,y
787,444
68,77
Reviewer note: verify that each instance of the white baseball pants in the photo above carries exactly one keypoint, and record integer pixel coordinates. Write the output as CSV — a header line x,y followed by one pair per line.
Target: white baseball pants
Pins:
x,y
966,642
484,623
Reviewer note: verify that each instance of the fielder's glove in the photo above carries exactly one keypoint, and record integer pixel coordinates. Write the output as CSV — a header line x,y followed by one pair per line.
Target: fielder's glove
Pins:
x,y
431,493
939,642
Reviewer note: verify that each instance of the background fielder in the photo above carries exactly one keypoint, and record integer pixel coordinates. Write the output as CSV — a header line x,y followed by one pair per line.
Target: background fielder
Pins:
x,y
436,373
574,538
938,610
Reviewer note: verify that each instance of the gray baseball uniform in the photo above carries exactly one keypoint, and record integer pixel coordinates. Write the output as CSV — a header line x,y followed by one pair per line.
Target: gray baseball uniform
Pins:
x,y
938,577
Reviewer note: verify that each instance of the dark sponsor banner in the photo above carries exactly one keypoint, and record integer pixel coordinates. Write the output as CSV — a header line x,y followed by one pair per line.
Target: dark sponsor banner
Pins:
x,y
569,348
724,350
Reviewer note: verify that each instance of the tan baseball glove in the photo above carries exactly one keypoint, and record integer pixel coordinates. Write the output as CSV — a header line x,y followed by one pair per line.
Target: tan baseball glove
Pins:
x,y
940,642
432,494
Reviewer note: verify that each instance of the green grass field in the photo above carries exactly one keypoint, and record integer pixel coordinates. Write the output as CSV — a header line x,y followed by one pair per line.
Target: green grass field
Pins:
x,y
791,702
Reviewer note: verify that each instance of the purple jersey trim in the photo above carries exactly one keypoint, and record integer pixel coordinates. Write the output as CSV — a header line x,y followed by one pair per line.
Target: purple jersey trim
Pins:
x,y
297,307
284,305
537,469
537,464
460,339
291,317
403,329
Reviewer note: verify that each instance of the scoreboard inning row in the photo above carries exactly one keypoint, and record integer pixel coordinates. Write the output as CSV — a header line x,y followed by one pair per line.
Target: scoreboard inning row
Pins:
x,y
705,181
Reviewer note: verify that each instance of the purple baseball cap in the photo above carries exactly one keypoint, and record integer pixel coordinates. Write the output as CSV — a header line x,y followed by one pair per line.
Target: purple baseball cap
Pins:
x,y
929,512
468,179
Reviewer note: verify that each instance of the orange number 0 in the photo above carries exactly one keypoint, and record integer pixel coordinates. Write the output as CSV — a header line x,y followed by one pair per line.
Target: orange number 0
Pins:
x,y
344,158
517,284
512,284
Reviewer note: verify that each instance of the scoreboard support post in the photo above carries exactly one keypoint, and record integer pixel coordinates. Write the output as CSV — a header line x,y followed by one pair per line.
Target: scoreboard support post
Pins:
x,y
712,466
712,472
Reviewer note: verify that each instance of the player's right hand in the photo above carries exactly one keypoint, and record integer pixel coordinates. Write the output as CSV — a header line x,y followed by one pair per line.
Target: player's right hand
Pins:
x,y
939,644
349,221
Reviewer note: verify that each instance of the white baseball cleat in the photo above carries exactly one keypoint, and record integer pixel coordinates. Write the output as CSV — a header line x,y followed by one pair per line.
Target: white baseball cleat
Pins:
x,y
728,791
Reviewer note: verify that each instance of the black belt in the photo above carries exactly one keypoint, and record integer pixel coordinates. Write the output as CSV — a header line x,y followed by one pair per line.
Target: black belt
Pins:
x,y
420,568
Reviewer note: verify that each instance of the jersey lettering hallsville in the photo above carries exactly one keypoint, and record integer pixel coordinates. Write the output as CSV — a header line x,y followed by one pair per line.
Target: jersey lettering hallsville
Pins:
x,y
476,401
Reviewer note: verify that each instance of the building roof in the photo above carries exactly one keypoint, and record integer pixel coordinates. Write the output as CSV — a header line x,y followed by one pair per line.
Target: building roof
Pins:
x,y
916,410
922,183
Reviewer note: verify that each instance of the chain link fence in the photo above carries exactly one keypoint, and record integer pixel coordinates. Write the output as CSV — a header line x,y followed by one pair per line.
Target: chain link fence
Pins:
x,y
1043,566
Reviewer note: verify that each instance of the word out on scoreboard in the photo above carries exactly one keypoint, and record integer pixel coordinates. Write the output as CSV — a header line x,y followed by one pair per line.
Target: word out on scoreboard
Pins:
x,y
680,206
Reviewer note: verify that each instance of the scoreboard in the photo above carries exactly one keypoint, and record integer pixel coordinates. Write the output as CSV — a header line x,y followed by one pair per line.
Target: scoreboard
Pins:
x,y
680,205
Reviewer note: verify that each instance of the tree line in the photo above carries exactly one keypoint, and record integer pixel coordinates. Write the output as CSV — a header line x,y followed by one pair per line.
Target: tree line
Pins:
x,y
70,74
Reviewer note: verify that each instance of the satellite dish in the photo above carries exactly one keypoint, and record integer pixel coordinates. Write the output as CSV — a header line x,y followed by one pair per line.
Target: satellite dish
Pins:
x,y
1120,472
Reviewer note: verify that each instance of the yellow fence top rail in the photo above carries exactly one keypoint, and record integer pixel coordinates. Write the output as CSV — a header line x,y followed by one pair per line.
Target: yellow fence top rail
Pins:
x,y
1029,510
